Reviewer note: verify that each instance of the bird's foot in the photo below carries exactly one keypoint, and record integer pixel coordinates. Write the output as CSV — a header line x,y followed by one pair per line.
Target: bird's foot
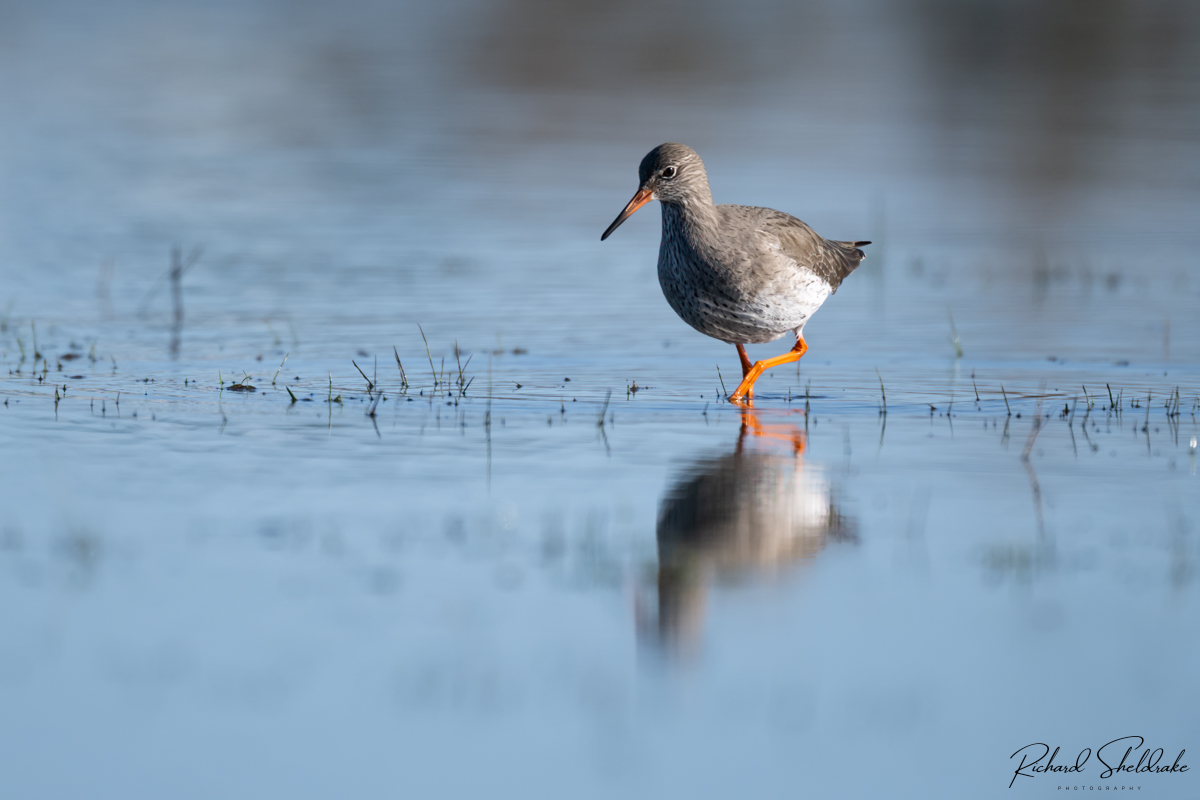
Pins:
x,y
743,395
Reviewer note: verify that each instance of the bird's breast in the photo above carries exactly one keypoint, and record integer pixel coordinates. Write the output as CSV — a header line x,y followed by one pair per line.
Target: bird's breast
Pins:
x,y
738,292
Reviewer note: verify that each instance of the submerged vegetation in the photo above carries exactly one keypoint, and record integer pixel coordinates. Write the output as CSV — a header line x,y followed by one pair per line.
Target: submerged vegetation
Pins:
x,y
29,377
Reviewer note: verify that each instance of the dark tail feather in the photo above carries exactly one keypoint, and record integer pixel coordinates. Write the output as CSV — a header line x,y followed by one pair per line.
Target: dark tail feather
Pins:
x,y
850,258
852,251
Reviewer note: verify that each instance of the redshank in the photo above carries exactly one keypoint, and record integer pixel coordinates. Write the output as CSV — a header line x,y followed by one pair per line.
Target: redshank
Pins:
x,y
741,274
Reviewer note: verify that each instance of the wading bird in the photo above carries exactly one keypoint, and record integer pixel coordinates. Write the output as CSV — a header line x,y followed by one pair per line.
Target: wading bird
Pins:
x,y
741,274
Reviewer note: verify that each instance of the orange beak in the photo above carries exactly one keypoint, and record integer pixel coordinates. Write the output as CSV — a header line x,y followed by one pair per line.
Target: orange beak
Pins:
x,y
640,199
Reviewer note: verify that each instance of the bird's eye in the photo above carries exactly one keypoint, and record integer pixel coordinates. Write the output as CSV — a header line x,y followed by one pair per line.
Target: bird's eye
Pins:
x,y
669,172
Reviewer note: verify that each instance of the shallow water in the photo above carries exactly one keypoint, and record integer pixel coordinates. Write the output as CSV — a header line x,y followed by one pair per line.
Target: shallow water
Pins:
x,y
552,583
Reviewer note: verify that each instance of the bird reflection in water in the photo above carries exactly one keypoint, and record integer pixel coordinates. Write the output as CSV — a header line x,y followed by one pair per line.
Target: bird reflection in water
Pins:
x,y
742,516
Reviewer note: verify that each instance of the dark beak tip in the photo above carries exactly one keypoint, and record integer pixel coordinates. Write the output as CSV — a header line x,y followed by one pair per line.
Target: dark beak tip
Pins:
x,y
640,199
616,224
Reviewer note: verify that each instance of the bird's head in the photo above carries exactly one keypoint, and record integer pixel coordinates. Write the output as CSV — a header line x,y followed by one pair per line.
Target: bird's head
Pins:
x,y
670,173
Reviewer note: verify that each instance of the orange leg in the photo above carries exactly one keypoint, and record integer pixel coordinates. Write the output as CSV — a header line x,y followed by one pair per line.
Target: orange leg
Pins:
x,y
746,367
745,388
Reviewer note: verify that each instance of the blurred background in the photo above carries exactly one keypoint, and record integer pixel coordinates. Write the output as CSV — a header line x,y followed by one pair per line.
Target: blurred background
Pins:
x,y
584,576
997,144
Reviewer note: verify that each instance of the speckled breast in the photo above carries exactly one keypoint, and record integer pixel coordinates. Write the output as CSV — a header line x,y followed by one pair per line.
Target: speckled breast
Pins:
x,y
716,299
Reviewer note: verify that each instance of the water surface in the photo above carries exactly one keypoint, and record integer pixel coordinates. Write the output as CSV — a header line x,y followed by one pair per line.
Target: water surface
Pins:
x,y
552,584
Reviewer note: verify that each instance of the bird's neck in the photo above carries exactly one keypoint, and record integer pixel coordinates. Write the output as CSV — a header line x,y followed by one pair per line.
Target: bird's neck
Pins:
x,y
686,218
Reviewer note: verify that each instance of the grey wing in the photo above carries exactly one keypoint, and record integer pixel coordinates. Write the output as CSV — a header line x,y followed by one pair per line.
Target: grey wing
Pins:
x,y
830,260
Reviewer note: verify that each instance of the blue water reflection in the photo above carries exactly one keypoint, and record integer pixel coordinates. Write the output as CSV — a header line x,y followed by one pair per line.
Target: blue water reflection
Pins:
x,y
391,581
747,515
